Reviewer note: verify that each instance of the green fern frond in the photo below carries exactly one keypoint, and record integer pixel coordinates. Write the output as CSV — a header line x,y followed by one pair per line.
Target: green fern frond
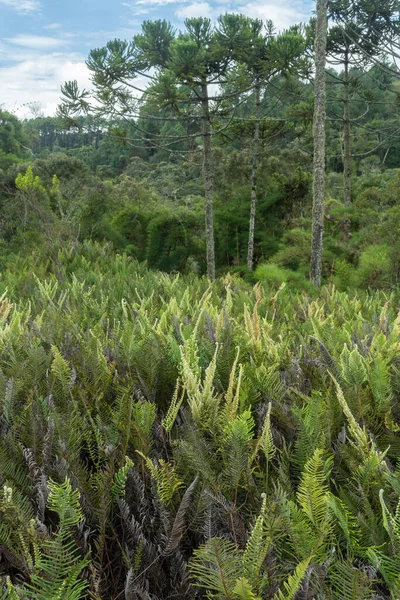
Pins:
x,y
143,417
257,547
173,410
61,371
352,367
313,492
238,435
347,582
120,478
267,440
293,583
215,567
243,591
359,435
346,521
65,502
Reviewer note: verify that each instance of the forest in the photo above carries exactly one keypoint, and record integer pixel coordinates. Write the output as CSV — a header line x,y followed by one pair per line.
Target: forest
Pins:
x,y
199,317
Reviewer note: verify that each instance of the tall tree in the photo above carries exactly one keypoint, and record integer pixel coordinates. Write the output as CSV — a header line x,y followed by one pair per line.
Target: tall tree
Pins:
x,y
13,140
319,142
186,74
354,38
267,57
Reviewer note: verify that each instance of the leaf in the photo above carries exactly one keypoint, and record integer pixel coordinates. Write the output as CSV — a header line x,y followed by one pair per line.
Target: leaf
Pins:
x,y
243,591
293,583
180,523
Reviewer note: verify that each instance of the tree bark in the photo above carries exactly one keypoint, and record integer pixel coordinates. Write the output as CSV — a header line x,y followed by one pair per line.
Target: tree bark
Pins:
x,y
207,178
346,134
319,142
253,204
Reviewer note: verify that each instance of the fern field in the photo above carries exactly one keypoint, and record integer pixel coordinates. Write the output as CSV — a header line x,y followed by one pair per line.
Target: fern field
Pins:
x,y
161,438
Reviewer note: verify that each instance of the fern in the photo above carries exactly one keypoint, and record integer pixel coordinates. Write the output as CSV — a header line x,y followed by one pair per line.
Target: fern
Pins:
x,y
120,478
257,548
62,372
352,367
243,591
215,567
313,493
293,583
173,410
348,582
238,435
57,566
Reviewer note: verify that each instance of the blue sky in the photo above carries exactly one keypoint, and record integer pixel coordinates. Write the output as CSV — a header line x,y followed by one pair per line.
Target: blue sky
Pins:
x,y
46,42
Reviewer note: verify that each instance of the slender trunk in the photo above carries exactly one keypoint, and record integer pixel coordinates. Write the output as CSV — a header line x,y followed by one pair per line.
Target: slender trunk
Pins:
x,y
386,155
253,205
346,134
207,177
319,142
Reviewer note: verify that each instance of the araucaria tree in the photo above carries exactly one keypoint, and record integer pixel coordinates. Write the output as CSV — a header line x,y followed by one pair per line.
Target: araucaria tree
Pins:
x,y
354,41
198,64
265,57
186,75
319,142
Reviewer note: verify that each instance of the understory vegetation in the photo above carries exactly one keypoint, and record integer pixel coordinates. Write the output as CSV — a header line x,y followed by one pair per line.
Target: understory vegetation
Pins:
x,y
163,437
200,318
154,213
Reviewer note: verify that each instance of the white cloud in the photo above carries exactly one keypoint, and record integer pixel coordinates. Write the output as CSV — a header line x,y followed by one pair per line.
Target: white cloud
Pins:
x,y
39,78
282,15
53,26
36,42
33,67
151,3
197,9
22,6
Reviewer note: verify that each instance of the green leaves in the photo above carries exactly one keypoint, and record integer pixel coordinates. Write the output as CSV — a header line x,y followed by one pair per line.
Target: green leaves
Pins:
x,y
352,367
313,492
154,42
216,566
55,563
293,583
194,421
243,591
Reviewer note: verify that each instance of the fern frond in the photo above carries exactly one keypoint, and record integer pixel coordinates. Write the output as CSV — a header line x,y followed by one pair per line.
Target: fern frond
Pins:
x,y
313,493
120,478
352,367
238,435
257,547
180,523
215,567
243,591
347,582
294,581
62,372
173,410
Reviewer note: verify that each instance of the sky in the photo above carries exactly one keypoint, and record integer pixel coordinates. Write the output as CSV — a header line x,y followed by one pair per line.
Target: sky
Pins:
x,y
44,43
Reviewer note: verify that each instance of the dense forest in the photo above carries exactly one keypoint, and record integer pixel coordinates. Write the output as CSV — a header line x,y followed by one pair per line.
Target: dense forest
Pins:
x,y
199,318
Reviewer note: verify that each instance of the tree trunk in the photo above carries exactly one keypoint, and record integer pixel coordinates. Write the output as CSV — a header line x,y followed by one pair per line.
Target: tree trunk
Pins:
x,y
319,142
207,177
253,205
346,134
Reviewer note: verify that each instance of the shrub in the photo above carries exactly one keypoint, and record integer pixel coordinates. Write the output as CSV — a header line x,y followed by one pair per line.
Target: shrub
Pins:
x,y
374,269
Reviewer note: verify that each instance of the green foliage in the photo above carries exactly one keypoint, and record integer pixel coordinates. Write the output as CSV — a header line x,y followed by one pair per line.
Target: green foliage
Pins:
x,y
242,430
55,563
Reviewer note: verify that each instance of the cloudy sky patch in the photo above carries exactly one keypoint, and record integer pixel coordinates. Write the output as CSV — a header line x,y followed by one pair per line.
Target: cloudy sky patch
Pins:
x,y
43,43
22,7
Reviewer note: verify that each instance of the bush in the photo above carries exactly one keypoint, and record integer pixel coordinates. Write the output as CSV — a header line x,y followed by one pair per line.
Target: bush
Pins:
x,y
274,274
375,267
